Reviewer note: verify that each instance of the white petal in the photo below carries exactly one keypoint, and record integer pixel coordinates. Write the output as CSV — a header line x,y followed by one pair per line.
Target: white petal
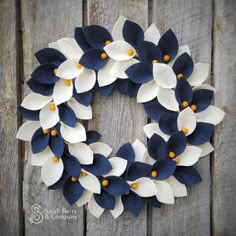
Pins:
x,y
82,112
51,171
82,152
200,74
105,77
147,158
204,86
48,118
147,91
182,49
40,158
119,50
207,148
153,128
145,187
94,208
69,70
54,45
152,34
119,208
101,148
85,81
119,67
117,31
27,130
90,182
118,166
164,75
165,193
73,135
35,101
84,198
139,150
179,190
70,48
186,119
166,98
211,114
190,156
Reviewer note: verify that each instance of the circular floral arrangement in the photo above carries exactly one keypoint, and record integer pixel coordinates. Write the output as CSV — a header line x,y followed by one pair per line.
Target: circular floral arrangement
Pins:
x,y
144,64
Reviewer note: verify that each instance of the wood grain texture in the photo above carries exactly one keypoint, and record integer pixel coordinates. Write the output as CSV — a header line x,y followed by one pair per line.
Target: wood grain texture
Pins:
x,y
118,118
43,22
191,21
9,162
224,162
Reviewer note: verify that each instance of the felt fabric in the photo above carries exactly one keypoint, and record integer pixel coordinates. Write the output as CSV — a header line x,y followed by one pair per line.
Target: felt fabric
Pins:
x,y
71,165
119,207
40,158
43,89
147,92
157,147
94,208
139,150
92,136
60,183
182,49
164,192
56,144
132,202
206,148
190,156
165,168
179,190
202,99
177,143
152,201
118,166
105,200
122,86
117,31
39,141
126,152
168,123
132,89
86,195
137,170
105,90
183,92
152,34
28,114
67,115
80,39
83,98
204,86
27,130
101,148
153,128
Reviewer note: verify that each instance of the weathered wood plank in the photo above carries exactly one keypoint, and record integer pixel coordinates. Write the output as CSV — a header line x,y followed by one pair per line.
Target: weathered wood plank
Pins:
x,y
117,118
224,162
10,163
191,21
43,22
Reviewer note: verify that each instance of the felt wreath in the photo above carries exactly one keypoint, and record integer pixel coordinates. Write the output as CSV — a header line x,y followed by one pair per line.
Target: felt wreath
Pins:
x,y
165,80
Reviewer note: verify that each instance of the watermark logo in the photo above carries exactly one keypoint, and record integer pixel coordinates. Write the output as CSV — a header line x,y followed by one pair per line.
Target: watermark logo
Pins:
x,y
36,216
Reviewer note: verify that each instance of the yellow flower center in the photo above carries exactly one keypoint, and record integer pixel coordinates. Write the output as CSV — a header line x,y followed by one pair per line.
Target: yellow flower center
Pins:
x,y
52,106
54,132
45,131
103,56
171,154
55,159
130,52
154,173
105,182
67,82
166,58
82,173
73,179
154,61
185,130
180,76
185,104
194,107
107,42
134,186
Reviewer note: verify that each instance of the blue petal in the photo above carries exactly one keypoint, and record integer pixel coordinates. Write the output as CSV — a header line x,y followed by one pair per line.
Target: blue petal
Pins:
x,y
183,65
60,183
140,73
148,52
105,200
137,170
133,89
83,98
92,136
72,191
39,141
201,134
97,35
50,55
100,165
202,99
116,186
153,201
177,143
168,123
122,85
187,175
28,114
132,202
44,89
157,147
165,168
168,44
183,92
45,74
154,109
56,144
81,40
67,115
71,165
133,33
126,152
105,90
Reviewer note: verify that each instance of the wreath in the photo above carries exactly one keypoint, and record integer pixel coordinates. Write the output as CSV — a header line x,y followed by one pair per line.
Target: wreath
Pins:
x,y
146,65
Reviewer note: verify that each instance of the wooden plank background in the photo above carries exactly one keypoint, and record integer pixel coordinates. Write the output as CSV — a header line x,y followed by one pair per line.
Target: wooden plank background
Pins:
x,y
208,26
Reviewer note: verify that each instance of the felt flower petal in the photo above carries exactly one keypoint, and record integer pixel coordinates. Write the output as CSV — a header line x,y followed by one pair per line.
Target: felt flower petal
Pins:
x,y
28,114
200,74
90,182
86,195
207,148
67,115
35,101
164,168
94,208
204,86
183,92
40,158
51,171
126,152
101,148
85,81
119,208
166,98
165,193
168,123
190,156
164,75
157,147
182,49
27,130
118,166
43,89
70,48
82,152
39,141
54,45
105,90
211,114
177,143
92,136
82,112
118,51
179,190
61,182
153,202
186,119
148,159
80,39
145,187
48,118
139,150
137,170
73,135
56,144
153,128
202,99
71,165
117,31
105,200
147,92
83,98
152,34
